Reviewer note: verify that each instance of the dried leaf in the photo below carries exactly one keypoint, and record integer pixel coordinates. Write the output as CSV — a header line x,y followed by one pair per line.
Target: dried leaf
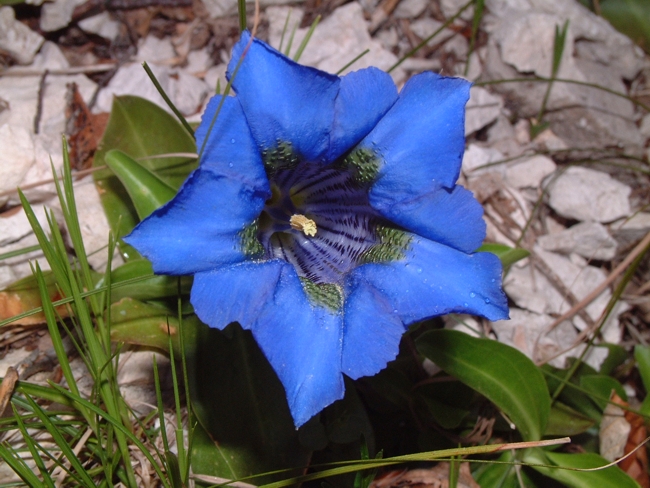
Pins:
x,y
436,477
83,128
636,466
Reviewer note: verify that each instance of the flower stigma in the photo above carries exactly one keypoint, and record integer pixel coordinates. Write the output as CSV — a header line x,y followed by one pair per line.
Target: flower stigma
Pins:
x,y
300,222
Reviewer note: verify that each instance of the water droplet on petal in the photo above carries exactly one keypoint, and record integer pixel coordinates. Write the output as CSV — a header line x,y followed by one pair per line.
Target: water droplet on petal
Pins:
x,y
394,310
487,300
472,295
493,280
230,164
419,270
232,141
465,304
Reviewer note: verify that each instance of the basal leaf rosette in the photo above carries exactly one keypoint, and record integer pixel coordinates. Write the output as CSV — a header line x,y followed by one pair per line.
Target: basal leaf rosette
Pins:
x,y
325,218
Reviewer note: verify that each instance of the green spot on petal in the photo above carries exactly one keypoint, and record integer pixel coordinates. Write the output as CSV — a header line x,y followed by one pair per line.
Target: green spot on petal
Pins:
x,y
251,245
324,294
364,164
391,247
279,158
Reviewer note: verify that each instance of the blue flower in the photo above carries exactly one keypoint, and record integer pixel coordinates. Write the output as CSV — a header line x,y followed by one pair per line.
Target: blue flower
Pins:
x,y
325,218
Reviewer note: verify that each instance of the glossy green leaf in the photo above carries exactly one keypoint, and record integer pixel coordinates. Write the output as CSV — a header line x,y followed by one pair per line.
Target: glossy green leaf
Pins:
x,y
574,398
144,324
601,386
140,129
499,475
499,372
631,17
241,404
508,255
153,288
147,191
612,477
642,357
565,421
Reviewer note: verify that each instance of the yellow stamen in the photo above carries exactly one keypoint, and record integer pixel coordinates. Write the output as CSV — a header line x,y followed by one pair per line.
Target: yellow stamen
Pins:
x,y
300,222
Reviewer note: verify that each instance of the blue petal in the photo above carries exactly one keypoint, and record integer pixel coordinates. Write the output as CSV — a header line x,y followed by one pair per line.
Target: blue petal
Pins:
x,y
235,293
365,96
420,139
200,228
301,341
284,101
303,344
450,217
372,331
230,149
434,279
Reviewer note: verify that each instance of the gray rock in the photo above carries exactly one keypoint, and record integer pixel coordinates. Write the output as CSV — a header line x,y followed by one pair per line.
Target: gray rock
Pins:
x,y
186,91
16,38
588,239
410,9
94,225
529,172
584,194
16,157
476,160
645,127
337,40
483,108
451,7
57,14
453,41
633,229
521,41
224,8
528,332
154,50
101,24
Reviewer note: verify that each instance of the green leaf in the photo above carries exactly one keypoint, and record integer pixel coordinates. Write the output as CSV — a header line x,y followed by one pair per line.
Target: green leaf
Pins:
x,y
147,191
631,17
499,372
140,129
144,324
612,477
601,386
565,421
241,404
508,255
153,288
642,357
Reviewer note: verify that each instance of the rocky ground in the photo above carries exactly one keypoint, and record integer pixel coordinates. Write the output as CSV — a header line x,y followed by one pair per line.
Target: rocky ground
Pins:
x,y
576,195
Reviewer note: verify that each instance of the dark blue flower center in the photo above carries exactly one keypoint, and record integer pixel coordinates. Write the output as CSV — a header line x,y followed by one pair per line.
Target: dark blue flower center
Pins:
x,y
320,220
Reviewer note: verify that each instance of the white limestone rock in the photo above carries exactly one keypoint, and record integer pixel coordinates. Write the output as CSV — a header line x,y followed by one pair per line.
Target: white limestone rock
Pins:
x,y
476,159
584,194
483,108
224,8
521,41
156,51
16,38
588,239
16,157
528,332
94,224
102,25
57,14
454,42
186,91
451,7
529,172
633,229
337,40
410,9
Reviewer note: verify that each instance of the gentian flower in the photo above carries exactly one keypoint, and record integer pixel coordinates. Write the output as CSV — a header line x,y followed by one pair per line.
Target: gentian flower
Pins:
x,y
325,217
